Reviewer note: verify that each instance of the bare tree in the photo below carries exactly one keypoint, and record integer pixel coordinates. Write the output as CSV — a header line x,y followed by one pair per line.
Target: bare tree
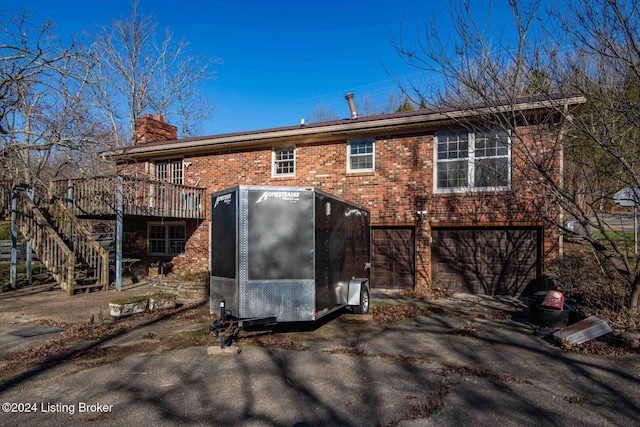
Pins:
x,y
583,47
43,117
137,71
322,113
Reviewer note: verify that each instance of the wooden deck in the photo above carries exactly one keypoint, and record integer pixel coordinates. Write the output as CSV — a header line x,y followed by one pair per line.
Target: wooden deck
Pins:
x,y
98,197
68,250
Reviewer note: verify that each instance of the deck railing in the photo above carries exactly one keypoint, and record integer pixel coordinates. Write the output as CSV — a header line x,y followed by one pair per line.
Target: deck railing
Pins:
x,y
82,243
144,197
48,245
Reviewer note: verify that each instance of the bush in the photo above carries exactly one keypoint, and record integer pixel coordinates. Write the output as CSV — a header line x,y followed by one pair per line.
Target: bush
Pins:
x,y
5,232
594,287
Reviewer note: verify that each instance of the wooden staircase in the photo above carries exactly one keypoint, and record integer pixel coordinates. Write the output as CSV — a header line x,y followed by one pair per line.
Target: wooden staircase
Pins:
x,y
65,247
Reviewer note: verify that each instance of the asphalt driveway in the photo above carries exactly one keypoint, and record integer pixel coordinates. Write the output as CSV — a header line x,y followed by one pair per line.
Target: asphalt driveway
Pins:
x,y
467,361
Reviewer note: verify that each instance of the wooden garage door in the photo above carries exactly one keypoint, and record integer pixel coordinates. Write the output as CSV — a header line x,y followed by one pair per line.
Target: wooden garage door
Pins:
x,y
492,261
393,258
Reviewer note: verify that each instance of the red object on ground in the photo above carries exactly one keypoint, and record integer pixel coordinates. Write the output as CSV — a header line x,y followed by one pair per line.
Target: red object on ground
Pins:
x,y
554,299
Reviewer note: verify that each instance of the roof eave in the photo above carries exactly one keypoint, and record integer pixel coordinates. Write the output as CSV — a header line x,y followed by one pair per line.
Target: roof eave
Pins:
x,y
330,131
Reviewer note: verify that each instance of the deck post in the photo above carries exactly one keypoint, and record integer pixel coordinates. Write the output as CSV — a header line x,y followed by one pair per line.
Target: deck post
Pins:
x,y
119,224
13,270
29,258
69,204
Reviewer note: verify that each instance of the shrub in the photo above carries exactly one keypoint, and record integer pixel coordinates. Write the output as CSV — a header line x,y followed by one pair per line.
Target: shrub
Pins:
x,y
591,285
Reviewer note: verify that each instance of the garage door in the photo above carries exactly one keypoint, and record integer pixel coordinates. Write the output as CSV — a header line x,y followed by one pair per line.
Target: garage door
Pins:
x,y
393,258
492,261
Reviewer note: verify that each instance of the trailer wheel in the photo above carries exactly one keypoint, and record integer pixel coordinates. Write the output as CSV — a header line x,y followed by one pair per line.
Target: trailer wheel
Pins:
x,y
363,307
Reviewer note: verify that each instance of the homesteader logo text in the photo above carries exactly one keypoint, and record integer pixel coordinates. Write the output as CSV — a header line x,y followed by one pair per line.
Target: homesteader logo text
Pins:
x,y
225,198
292,196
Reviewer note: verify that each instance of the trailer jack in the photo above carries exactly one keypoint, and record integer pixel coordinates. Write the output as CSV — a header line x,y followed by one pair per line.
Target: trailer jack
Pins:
x,y
228,327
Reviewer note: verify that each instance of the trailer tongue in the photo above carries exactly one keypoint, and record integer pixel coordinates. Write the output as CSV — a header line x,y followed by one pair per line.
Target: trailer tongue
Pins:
x,y
286,254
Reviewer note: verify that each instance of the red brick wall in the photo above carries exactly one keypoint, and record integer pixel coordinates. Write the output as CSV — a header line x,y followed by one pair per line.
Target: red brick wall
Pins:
x,y
401,185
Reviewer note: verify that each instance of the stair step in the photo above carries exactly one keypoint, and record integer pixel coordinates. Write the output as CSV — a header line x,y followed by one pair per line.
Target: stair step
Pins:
x,y
85,276
86,288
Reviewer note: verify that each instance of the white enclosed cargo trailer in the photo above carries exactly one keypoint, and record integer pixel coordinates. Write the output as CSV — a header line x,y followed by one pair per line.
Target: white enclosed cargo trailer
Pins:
x,y
286,254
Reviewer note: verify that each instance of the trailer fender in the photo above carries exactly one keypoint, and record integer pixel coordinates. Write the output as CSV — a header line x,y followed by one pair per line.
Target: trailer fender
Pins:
x,y
358,288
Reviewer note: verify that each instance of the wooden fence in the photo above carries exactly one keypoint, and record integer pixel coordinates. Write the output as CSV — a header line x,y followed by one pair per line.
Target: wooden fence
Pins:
x,y
21,245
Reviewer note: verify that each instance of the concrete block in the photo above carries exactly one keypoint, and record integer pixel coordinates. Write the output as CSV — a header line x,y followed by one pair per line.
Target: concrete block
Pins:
x,y
223,351
358,317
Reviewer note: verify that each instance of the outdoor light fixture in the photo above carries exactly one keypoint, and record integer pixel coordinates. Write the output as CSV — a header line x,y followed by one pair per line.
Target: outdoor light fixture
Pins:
x,y
420,203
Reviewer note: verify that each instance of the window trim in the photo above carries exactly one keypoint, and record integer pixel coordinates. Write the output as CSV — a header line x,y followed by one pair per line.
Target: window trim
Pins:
x,y
167,238
274,162
471,160
372,154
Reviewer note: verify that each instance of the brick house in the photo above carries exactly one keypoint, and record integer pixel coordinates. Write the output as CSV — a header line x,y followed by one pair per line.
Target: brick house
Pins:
x,y
452,204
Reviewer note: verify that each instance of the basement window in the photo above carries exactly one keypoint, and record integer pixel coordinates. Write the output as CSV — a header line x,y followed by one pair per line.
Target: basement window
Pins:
x,y
168,238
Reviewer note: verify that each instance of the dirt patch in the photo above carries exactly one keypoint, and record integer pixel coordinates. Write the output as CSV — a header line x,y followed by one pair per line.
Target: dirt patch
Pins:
x,y
603,346
466,331
362,353
467,371
396,313
333,328
434,403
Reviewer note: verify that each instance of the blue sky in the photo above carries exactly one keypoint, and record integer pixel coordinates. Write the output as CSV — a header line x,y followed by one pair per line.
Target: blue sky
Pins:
x,y
281,59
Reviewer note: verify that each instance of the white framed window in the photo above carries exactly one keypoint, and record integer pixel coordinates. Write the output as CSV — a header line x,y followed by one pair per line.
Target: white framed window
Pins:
x,y
166,238
472,161
284,161
170,171
361,156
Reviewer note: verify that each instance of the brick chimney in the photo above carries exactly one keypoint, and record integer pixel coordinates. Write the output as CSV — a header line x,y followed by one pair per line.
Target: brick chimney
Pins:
x,y
152,129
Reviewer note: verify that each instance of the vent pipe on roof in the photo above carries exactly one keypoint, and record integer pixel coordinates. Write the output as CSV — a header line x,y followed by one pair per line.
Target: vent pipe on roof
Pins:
x,y
352,107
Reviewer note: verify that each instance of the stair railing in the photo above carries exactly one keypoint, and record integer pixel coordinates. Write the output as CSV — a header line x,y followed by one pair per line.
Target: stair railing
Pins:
x,y
82,242
48,245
